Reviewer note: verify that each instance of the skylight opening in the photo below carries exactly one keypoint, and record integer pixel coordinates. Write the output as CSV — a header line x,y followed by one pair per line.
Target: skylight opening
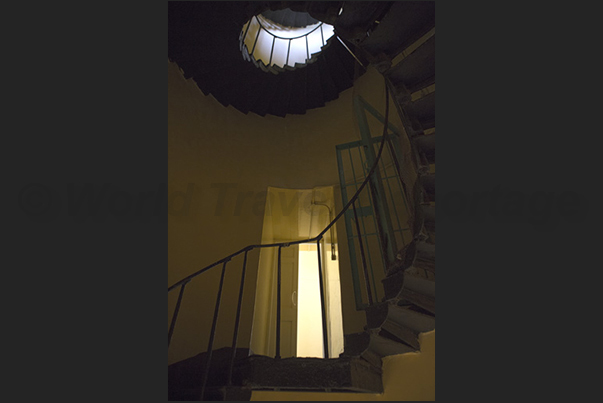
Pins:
x,y
270,43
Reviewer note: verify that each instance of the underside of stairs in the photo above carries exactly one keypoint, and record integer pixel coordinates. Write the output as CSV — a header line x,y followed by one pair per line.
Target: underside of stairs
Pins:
x,y
203,39
398,39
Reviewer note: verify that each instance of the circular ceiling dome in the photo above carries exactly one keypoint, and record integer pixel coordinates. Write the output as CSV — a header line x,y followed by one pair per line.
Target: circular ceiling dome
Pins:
x,y
283,40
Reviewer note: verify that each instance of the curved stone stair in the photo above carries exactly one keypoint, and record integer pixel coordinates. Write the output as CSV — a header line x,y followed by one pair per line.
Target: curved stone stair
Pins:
x,y
422,112
401,45
373,345
349,373
416,71
426,148
403,323
203,39
404,23
343,374
428,182
395,37
184,378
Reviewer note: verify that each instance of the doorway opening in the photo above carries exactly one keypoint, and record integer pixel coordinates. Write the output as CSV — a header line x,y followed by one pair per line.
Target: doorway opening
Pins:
x,y
301,320
309,312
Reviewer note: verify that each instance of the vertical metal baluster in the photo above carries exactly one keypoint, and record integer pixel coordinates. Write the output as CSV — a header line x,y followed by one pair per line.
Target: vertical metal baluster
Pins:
x,y
401,185
176,311
237,321
355,271
376,226
278,307
288,51
210,346
392,153
391,194
325,337
246,30
307,50
272,51
370,205
366,274
256,39
322,35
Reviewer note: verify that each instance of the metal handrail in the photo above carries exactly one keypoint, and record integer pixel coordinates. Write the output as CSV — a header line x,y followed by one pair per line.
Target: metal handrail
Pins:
x,y
280,37
182,283
316,238
274,37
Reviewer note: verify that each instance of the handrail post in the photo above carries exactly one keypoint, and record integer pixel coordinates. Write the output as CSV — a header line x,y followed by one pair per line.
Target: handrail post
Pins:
x,y
246,30
182,283
237,320
384,226
325,336
272,51
307,50
256,38
350,52
212,335
288,51
176,311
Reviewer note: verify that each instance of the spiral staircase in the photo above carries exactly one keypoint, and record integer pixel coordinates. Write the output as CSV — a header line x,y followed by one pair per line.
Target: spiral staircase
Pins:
x,y
203,39
398,39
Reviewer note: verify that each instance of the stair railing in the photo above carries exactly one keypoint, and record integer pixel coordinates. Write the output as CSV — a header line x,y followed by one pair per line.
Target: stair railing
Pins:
x,y
182,283
275,37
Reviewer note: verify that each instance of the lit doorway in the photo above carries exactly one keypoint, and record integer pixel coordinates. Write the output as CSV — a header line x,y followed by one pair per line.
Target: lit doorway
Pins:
x,y
301,332
309,310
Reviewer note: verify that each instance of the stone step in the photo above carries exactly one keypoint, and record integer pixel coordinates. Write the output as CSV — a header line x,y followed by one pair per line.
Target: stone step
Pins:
x,y
358,18
350,374
418,254
186,375
426,146
426,251
428,181
404,24
418,299
429,216
402,322
411,280
417,70
415,281
422,112
373,347
224,393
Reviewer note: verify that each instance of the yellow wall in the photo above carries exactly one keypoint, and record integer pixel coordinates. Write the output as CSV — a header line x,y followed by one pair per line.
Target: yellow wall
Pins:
x,y
209,144
406,377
